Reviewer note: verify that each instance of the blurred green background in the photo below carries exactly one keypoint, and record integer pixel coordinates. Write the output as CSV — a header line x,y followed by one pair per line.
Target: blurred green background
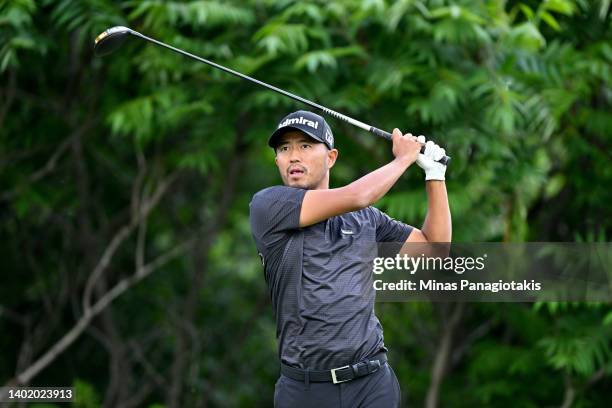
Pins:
x,y
128,269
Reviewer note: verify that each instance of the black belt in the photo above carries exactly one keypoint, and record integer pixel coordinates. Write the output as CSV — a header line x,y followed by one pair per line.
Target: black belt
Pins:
x,y
337,375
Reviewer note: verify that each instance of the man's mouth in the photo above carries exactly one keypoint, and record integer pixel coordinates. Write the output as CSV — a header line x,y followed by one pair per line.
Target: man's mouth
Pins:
x,y
296,172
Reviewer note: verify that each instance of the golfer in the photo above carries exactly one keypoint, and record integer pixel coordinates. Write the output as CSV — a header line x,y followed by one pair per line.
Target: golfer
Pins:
x,y
309,239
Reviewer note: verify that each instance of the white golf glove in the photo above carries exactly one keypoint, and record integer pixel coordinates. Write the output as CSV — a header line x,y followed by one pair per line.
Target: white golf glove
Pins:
x,y
428,160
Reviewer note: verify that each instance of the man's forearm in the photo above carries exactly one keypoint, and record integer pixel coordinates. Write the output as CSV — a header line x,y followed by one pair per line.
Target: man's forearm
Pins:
x,y
438,225
371,187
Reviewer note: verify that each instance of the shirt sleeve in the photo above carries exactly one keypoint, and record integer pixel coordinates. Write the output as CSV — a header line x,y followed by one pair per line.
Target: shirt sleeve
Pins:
x,y
389,229
275,210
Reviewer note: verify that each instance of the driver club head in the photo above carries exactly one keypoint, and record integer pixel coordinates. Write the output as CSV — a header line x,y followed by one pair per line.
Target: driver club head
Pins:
x,y
111,39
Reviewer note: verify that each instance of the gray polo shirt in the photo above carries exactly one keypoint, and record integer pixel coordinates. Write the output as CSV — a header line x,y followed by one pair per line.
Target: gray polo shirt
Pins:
x,y
320,278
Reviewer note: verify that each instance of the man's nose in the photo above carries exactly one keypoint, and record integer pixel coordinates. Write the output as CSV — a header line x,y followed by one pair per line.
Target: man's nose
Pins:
x,y
294,155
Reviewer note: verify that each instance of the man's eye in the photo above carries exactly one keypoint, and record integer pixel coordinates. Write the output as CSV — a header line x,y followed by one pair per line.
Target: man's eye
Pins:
x,y
305,145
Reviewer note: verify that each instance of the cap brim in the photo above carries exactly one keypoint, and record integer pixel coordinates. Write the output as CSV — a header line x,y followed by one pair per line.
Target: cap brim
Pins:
x,y
273,140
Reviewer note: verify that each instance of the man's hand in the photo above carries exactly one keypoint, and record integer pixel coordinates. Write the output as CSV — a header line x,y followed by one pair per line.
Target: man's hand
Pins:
x,y
405,148
428,161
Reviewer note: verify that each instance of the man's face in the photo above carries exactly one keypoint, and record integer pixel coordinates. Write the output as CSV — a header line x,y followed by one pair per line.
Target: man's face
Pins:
x,y
303,162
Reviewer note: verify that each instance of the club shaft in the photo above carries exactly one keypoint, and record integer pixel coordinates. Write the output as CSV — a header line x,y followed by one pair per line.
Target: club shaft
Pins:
x,y
333,113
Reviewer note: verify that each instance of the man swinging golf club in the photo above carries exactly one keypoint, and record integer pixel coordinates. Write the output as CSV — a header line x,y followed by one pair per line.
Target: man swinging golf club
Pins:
x,y
307,236
330,341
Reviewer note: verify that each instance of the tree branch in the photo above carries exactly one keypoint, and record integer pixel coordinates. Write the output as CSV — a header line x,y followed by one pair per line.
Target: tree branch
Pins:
x,y
478,333
120,236
14,316
442,356
139,355
10,96
62,344
569,394
49,165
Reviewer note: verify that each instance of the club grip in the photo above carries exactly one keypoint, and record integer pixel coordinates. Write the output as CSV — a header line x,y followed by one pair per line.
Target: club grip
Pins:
x,y
386,135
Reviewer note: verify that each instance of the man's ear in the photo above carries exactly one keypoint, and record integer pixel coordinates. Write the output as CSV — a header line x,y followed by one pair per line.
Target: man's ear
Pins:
x,y
332,155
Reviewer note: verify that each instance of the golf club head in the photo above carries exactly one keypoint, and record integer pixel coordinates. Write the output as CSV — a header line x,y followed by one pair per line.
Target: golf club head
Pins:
x,y
111,39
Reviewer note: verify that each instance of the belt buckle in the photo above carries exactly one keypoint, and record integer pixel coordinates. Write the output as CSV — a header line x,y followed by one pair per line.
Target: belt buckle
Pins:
x,y
333,373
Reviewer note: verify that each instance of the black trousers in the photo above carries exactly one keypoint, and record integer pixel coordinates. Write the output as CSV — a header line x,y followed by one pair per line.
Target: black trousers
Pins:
x,y
377,390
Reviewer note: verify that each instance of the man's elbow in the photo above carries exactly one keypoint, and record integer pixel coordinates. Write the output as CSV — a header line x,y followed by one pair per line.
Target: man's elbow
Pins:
x,y
423,243
358,198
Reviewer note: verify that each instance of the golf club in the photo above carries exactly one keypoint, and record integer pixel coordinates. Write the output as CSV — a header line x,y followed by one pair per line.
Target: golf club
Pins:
x,y
111,39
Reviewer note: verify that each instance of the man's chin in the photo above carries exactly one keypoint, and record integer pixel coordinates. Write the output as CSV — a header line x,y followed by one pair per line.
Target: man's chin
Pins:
x,y
299,184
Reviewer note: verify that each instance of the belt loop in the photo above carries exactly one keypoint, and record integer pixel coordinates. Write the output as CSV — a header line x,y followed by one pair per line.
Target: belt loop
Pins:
x,y
307,379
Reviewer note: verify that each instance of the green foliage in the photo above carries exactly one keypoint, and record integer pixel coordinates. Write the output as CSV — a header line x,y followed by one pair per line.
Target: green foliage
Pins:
x,y
196,14
580,343
517,92
326,58
85,395
16,33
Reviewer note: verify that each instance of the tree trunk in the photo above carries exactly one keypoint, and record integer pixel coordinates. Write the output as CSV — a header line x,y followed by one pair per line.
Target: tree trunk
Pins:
x,y
444,352
185,350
